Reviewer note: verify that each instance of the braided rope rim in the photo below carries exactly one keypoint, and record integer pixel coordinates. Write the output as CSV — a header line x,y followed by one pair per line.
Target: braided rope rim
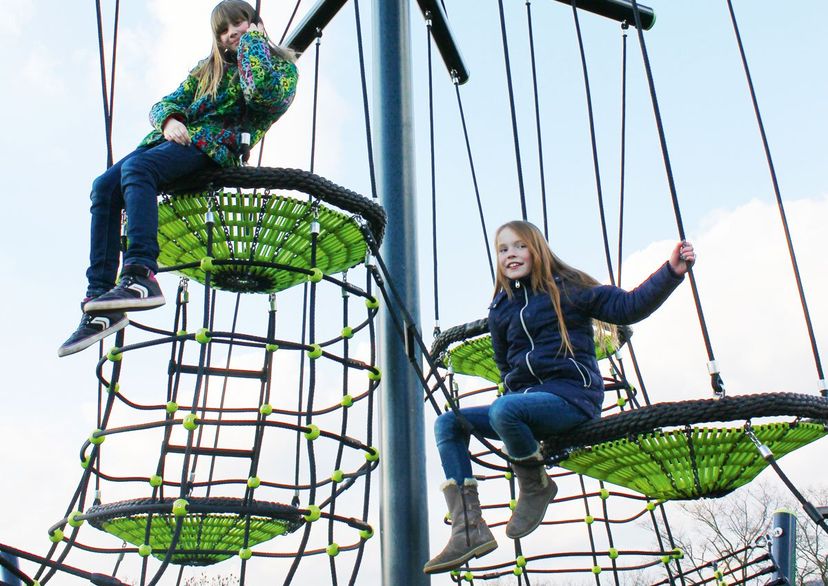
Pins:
x,y
284,178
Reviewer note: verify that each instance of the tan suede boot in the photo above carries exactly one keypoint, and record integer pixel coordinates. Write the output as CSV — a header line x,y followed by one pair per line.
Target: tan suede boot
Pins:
x,y
536,491
470,536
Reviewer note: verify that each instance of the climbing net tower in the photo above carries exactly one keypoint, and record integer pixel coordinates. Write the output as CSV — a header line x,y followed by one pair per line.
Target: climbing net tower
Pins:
x,y
256,434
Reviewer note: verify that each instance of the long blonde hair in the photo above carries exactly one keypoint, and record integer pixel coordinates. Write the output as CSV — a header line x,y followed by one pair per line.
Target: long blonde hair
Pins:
x,y
210,71
545,265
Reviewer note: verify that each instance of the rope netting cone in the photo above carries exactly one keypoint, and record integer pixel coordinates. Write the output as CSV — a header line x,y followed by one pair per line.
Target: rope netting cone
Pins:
x,y
250,441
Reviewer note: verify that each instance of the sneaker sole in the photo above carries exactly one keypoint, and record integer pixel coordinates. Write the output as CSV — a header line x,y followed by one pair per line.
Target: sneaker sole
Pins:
x,y
86,342
96,306
477,552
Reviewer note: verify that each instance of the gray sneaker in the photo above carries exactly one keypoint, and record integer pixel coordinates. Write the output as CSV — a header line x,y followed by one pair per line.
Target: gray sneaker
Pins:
x,y
136,290
91,329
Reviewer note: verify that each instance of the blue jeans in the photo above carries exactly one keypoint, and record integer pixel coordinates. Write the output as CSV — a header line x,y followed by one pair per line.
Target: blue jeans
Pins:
x,y
518,419
131,184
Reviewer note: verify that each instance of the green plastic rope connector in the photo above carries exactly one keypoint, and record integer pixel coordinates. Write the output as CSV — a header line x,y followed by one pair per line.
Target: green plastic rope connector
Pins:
x,y
114,355
266,409
612,553
517,571
507,475
621,401
315,351
375,375
501,388
316,275
455,573
144,550
372,303
332,550
181,334
596,570
190,422
366,534
604,494
677,554
347,332
314,513
96,438
468,577
115,389
338,476
313,432
203,336
179,507
254,482
85,462
245,553
171,407
347,401
72,519
372,455
651,506
56,536
156,480
206,264
512,504
271,347
520,561
589,519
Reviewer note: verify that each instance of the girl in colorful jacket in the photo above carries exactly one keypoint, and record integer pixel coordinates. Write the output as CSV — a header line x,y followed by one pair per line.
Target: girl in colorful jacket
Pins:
x,y
542,321
244,86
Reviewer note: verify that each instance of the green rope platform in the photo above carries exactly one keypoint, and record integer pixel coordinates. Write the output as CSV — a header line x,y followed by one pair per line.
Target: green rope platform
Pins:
x,y
261,243
689,464
474,354
631,448
213,529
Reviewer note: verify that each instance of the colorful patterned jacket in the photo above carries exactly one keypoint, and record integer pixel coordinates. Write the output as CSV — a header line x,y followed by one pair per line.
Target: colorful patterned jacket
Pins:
x,y
253,93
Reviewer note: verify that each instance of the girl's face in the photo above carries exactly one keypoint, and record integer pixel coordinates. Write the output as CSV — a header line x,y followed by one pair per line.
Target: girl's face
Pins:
x,y
513,255
229,39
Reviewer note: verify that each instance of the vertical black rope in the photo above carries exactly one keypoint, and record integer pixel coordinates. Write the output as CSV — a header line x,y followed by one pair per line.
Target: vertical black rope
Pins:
x,y
365,109
715,378
622,176
112,74
512,110
435,272
537,118
486,246
778,194
315,99
106,112
290,21
595,164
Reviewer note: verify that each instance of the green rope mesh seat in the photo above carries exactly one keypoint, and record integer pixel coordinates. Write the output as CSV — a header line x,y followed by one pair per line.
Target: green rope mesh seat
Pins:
x,y
632,450
474,355
253,231
213,529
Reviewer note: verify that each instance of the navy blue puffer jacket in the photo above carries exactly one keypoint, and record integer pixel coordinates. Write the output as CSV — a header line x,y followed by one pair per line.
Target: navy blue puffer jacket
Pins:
x,y
527,340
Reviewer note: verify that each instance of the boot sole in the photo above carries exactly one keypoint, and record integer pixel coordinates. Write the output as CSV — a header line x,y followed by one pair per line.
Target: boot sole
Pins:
x,y
477,552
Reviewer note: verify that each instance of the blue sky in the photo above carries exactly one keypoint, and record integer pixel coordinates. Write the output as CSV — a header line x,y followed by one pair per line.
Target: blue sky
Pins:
x,y
53,146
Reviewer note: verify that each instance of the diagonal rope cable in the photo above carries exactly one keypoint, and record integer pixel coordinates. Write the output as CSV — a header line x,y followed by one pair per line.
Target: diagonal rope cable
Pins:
x,y
507,61
365,110
594,142
537,118
623,152
433,169
715,378
777,192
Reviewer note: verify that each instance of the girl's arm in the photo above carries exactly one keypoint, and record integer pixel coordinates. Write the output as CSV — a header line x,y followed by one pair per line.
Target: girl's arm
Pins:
x,y
615,305
268,82
174,105
499,346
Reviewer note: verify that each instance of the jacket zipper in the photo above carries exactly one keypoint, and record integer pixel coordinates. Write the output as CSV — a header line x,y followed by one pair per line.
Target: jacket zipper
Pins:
x,y
528,335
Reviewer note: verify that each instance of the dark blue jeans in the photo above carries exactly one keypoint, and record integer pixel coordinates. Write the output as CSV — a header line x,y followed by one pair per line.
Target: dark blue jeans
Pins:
x,y
518,419
131,184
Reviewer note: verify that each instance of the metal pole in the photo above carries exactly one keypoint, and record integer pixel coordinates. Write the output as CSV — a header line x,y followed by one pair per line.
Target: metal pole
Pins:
x,y
403,504
6,576
783,545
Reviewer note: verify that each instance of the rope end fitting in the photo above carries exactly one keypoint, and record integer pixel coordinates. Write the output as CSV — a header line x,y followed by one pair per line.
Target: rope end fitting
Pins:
x,y
715,379
822,385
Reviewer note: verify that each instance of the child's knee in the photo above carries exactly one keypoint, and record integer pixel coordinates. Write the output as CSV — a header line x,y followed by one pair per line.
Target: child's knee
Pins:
x,y
501,412
445,425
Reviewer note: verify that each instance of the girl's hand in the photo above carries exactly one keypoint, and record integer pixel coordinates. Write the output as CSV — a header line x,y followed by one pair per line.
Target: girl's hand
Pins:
x,y
175,131
256,26
682,258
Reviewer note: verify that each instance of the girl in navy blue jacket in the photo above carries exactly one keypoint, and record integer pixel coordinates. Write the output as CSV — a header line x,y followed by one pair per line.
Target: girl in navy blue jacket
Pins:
x,y
542,321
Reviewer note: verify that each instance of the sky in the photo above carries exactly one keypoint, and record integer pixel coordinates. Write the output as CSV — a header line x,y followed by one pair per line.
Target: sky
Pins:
x,y
53,145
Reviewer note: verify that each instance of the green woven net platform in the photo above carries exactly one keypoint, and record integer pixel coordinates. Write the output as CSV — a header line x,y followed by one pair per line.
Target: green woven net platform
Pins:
x,y
254,228
689,463
213,529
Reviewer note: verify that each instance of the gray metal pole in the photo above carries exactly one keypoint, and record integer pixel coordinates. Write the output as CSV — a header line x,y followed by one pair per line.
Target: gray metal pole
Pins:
x,y
783,545
6,575
403,505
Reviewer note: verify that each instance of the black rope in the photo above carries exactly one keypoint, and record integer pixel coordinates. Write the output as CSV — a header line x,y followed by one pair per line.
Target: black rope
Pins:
x,y
777,192
365,110
715,378
315,109
623,153
507,61
542,173
594,142
106,105
434,256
